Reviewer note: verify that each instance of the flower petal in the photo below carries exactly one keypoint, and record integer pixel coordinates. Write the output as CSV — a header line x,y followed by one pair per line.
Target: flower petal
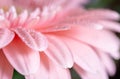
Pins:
x,y
6,70
23,17
95,23
100,39
58,52
6,36
101,74
83,55
103,13
22,57
46,70
56,28
108,63
33,39
109,25
43,71
12,14
95,14
61,72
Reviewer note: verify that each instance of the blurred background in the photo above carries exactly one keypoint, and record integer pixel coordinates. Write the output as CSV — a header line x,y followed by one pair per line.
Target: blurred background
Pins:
x,y
109,4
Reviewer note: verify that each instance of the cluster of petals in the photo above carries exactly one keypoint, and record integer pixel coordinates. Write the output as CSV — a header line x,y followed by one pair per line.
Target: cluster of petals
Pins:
x,y
40,43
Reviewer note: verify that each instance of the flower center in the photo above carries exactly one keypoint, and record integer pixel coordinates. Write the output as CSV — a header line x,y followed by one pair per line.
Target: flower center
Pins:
x,y
15,16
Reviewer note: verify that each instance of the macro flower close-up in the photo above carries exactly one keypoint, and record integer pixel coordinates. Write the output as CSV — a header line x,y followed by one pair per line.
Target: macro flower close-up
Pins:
x,y
44,39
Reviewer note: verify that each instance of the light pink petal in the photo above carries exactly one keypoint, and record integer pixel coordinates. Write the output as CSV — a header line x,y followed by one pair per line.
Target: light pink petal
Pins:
x,y
43,71
100,39
96,14
6,36
58,52
69,4
109,25
83,55
22,57
23,17
92,22
97,24
102,13
33,23
32,39
12,14
44,67
4,23
56,28
49,70
108,63
57,72
6,70
103,24
100,74
41,3
35,13
32,4
33,20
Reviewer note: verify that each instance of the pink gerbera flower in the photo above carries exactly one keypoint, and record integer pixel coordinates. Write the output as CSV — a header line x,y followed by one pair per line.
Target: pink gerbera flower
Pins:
x,y
44,42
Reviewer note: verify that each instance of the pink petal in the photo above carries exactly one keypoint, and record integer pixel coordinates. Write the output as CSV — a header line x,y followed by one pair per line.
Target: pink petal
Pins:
x,y
6,70
103,13
48,70
100,39
61,72
92,22
98,24
23,17
103,24
35,3
95,14
6,36
32,39
83,55
43,71
35,13
32,23
58,52
110,25
21,57
12,14
56,28
100,74
108,63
